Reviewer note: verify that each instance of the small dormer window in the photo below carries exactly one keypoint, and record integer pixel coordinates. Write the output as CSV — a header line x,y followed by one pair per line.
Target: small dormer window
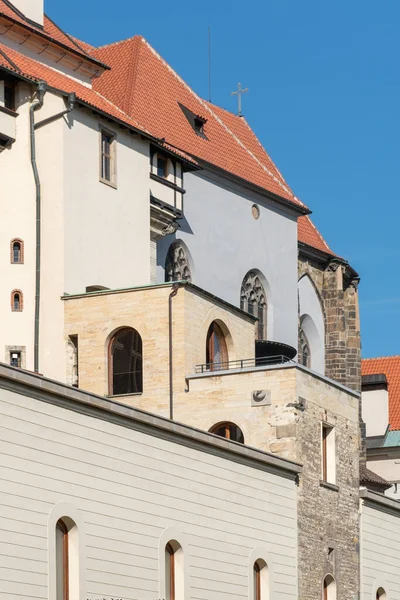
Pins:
x,y
198,125
162,166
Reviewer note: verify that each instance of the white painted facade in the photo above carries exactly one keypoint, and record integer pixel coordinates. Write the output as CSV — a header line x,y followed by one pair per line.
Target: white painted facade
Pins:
x,y
375,411
379,546
219,225
131,482
31,9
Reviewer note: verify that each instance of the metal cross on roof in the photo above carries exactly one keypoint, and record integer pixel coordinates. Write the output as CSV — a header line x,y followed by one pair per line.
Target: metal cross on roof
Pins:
x,y
239,93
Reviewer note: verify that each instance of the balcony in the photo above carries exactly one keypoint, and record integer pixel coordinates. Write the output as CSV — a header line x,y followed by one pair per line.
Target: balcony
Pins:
x,y
7,127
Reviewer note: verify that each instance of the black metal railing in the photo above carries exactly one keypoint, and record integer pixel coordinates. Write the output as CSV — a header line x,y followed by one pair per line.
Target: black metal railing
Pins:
x,y
242,363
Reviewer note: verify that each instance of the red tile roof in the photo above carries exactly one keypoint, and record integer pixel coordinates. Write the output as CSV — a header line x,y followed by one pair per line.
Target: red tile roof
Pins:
x,y
142,90
144,86
389,366
50,30
308,234
37,71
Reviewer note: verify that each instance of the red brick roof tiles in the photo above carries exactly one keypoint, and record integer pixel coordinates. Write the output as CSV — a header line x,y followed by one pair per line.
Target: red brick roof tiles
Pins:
x,y
37,71
142,84
389,366
308,234
50,30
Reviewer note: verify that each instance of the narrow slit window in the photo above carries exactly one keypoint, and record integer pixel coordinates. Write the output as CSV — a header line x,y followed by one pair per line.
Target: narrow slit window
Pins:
x,y
107,170
16,359
328,454
174,571
261,581
62,560
16,301
17,251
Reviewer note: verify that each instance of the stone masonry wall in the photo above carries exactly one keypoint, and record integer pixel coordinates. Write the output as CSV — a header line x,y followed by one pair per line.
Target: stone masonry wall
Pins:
x,y
339,299
328,516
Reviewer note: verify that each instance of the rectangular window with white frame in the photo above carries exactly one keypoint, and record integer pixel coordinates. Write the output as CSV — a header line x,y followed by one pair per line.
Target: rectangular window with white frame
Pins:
x,y
108,152
328,453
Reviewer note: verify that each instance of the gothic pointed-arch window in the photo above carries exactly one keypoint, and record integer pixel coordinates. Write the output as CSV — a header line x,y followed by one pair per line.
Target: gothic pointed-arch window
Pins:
x,y
125,363
253,300
177,267
216,350
229,431
305,353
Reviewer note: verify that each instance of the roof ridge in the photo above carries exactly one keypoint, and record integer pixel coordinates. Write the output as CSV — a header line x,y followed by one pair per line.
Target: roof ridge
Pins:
x,y
264,150
119,42
204,103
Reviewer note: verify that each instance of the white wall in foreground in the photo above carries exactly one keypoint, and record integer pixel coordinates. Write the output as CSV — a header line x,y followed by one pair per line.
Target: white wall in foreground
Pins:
x,y
380,551
129,493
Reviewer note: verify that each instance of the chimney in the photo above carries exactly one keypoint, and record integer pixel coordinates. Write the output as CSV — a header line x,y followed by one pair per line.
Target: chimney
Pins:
x,y
32,10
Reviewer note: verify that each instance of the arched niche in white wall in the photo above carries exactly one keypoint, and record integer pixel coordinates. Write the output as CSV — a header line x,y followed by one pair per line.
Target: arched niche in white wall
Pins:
x,y
312,322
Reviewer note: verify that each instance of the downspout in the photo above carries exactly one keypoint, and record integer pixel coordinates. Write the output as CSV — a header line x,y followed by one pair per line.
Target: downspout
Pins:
x,y
37,105
173,293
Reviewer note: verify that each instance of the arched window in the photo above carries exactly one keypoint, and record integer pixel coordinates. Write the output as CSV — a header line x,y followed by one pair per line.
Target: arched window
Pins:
x,y
16,301
229,431
216,351
329,588
260,573
380,594
174,571
304,350
177,266
17,251
253,300
125,363
66,563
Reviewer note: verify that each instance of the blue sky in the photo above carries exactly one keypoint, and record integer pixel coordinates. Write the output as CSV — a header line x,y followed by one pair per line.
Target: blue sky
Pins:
x,y
324,100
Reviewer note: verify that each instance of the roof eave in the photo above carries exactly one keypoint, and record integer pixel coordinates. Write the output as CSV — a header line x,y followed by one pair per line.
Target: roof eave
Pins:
x,y
42,34
296,208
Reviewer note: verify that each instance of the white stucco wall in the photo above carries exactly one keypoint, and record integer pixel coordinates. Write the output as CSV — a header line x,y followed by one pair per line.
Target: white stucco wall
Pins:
x,y
375,411
107,229
130,493
388,467
225,242
312,323
380,551
17,221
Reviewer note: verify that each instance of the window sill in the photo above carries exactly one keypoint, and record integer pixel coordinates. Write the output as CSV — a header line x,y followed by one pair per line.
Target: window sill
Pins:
x,y
329,486
109,183
7,111
17,263
111,396
168,183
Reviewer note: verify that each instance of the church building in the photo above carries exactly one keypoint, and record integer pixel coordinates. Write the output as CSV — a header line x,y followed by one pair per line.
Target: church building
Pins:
x,y
159,276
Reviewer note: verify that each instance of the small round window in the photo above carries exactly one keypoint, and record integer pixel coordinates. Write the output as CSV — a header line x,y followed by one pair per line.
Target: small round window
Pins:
x,y
255,211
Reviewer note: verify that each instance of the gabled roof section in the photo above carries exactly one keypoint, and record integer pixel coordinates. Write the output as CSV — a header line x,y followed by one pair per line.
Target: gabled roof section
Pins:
x,y
389,366
31,69
144,86
49,31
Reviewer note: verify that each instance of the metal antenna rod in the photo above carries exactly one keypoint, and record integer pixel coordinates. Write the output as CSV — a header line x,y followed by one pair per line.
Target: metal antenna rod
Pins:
x,y
239,93
209,63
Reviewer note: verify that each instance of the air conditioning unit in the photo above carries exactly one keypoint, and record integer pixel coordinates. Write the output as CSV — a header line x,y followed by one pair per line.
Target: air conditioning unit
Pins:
x,y
261,398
